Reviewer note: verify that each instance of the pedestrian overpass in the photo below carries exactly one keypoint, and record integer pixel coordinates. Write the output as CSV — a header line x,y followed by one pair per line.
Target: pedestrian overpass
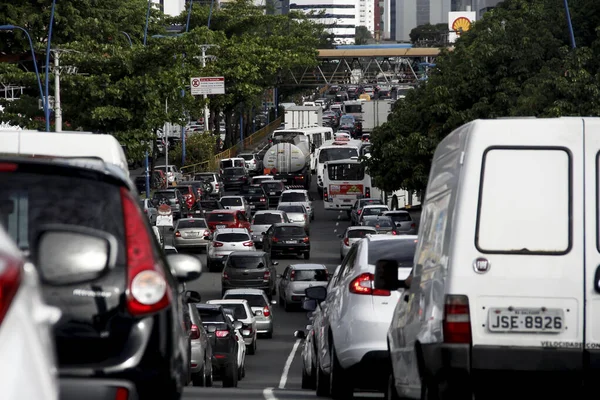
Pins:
x,y
399,65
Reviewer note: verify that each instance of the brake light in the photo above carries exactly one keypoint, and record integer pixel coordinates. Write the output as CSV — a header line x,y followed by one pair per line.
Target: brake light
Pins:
x,y
263,200
306,239
146,285
347,241
195,332
266,311
222,334
304,216
122,393
325,197
274,239
267,276
177,234
217,244
457,322
292,275
368,192
11,274
394,233
363,284
8,167
225,275
413,225
249,244
359,211
206,232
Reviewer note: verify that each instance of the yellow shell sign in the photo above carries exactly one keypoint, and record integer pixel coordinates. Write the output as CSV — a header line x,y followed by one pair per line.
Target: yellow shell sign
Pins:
x,y
461,24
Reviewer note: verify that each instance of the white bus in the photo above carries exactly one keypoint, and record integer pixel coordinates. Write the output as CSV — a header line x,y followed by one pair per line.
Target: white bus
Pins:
x,y
343,183
316,136
331,151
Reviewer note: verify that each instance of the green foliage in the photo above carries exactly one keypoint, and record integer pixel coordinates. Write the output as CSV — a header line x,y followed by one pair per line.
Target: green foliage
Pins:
x,y
515,61
200,147
362,35
429,35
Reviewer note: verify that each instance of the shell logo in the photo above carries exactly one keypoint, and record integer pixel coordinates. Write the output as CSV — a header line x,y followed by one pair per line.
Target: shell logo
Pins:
x,y
461,24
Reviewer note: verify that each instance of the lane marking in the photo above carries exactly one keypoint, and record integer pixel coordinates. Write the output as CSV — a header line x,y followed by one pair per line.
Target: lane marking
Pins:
x,y
288,364
268,394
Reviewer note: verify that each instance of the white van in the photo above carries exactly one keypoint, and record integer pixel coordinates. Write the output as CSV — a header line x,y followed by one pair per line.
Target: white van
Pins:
x,y
506,276
64,144
232,162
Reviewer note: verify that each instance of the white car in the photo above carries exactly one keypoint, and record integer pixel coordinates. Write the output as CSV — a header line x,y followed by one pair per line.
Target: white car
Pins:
x,y
299,196
256,180
226,241
262,221
358,317
352,235
297,214
27,356
238,203
243,313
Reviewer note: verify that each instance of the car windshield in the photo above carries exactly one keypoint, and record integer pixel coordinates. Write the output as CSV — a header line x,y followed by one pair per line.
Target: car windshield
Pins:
x,y
254,300
202,177
246,262
231,202
290,231
191,223
310,275
333,154
379,222
233,171
220,217
267,219
211,317
400,217
293,197
359,233
374,210
170,250
184,189
291,209
402,251
232,237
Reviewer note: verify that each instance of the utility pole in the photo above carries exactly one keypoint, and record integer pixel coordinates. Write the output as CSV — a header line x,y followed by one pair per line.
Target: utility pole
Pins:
x,y
57,109
205,57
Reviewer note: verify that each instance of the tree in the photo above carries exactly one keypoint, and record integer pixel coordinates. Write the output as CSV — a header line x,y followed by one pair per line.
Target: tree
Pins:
x,y
429,35
362,35
515,61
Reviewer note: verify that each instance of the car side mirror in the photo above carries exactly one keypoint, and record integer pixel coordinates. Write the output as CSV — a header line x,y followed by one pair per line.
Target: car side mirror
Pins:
x,y
275,262
191,296
299,334
386,276
309,304
237,325
211,329
185,267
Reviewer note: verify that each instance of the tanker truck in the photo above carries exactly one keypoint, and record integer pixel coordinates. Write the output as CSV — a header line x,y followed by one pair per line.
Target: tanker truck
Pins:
x,y
288,160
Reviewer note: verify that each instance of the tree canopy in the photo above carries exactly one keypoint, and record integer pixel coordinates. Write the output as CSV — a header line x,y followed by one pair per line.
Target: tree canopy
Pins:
x,y
515,61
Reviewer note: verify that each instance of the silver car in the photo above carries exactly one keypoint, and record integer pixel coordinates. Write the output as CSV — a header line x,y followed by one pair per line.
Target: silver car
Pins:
x,y
201,361
296,278
260,306
191,233
238,203
299,196
262,221
353,234
243,313
226,241
403,221
375,209
296,213
150,210
218,188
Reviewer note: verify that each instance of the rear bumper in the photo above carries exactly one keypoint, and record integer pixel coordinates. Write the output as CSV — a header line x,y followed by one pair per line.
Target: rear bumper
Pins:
x,y
226,285
290,248
190,243
372,371
264,326
96,389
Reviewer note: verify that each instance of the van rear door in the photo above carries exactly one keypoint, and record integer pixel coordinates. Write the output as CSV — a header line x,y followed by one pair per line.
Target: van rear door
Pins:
x,y
523,271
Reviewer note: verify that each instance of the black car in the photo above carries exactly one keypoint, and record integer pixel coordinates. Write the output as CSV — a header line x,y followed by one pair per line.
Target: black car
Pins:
x,y
223,340
171,197
255,196
286,238
249,269
235,177
210,205
123,316
273,189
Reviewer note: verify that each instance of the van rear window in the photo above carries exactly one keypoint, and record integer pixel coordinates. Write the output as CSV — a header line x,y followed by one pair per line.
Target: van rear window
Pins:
x,y
524,201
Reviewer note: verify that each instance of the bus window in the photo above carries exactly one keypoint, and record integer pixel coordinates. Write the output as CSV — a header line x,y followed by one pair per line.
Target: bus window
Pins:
x,y
346,172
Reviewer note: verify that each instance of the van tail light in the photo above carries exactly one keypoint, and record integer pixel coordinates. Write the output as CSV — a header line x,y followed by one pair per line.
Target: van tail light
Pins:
x,y
306,239
363,284
195,332
274,239
266,311
206,233
325,197
122,393
368,192
457,321
177,234
11,273
217,244
292,275
347,241
249,244
263,200
267,276
222,334
225,275
146,284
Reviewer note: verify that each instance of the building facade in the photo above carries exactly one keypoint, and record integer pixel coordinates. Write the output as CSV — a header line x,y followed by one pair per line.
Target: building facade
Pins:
x,y
170,7
405,15
339,16
479,6
366,15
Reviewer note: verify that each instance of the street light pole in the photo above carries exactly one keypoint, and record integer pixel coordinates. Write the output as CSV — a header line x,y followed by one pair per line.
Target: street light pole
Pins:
x,y
57,109
206,110
147,19
128,38
570,24
49,41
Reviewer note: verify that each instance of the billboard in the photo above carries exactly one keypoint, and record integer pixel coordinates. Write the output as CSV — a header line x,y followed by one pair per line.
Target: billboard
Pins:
x,y
459,22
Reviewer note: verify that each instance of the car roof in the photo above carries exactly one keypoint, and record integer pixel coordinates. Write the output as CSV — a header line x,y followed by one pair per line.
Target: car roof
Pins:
x,y
300,267
224,169
396,212
272,180
278,224
257,292
375,206
232,230
228,301
360,227
378,238
211,307
257,253
231,197
263,176
223,211
191,219
370,217
295,191
291,203
269,212
232,158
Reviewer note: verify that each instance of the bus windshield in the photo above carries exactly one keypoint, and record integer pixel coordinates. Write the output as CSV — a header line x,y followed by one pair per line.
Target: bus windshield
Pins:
x,y
346,172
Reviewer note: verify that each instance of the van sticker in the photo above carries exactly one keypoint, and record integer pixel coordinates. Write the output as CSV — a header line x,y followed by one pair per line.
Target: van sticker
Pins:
x,y
562,345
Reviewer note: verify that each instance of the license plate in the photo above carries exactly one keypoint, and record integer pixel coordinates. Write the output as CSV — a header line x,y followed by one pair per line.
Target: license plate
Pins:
x,y
290,241
347,200
220,226
526,320
192,235
271,193
252,206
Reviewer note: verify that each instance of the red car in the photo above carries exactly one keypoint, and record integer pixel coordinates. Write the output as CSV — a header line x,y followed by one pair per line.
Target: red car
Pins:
x,y
227,219
189,194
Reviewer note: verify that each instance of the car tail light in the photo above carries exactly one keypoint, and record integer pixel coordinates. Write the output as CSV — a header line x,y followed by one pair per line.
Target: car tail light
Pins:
x,y
8,167
304,216
413,225
249,244
11,274
457,322
347,241
147,290
267,276
263,200
222,334
266,311
122,393
206,232
217,244
363,284
306,239
177,234
292,275
195,332
394,233
359,211
274,239
368,192
325,197
225,275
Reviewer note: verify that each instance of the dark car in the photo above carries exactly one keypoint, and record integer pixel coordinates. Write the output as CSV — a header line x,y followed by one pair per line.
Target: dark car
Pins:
x,y
223,340
256,197
249,269
235,177
286,239
119,306
273,189
210,205
173,198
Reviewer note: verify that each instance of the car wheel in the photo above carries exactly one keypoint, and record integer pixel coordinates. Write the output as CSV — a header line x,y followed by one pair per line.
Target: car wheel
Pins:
x,y
321,381
340,387
306,256
286,306
306,380
269,335
199,379
252,348
230,375
209,264
208,368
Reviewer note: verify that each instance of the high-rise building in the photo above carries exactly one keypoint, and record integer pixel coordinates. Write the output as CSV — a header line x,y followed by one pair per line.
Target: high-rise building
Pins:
x,y
411,13
339,16
366,14
171,7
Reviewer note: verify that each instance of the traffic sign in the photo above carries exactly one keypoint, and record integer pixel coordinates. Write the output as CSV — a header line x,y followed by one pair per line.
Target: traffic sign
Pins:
x,y
207,85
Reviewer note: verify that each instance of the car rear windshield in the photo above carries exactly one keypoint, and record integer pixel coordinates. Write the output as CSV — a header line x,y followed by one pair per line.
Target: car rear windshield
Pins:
x,y
359,233
246,262
232,237
210,204
29,201
233,171
273,186
402,251
254,300
379,222
291,209
164,195
211,317
290,231
310,275
196,223
231,201
374,210
252,190
202,177
369,202
293,197
267,219
400,217
184,189
247,157
220,217
239,311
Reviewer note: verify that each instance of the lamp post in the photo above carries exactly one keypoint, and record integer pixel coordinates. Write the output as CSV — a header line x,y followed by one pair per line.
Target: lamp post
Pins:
x,y
35,66
570,24
49,41
128,38
147,19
